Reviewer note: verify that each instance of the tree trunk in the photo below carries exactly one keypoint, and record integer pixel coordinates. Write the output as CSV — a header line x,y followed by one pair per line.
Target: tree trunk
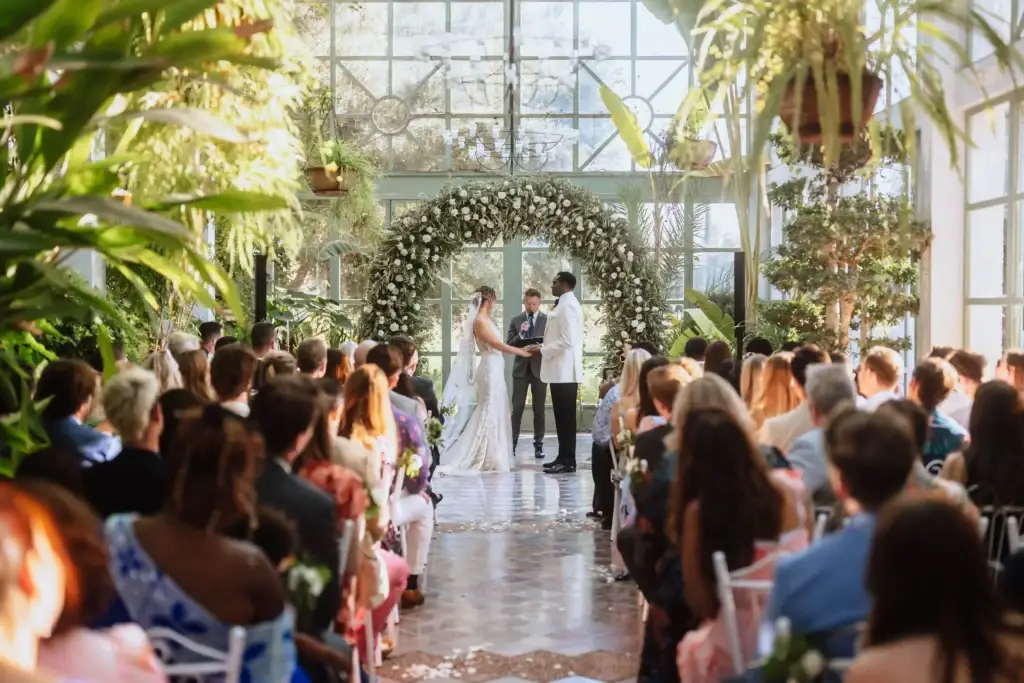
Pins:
x,y
846,306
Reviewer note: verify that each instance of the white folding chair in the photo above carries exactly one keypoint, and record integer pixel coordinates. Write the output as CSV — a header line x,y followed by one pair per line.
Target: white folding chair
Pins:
x,y
227,664
820,522
1013,538
755,589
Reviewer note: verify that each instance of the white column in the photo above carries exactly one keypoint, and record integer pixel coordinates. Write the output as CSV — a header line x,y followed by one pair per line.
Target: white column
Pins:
x,y
91,266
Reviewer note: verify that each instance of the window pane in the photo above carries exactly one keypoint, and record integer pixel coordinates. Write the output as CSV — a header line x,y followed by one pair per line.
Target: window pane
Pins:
x,y
713,272
540,268
593,329
591,384
430,366
605,26
362,28
987,248
986,331
997,13
431,341
987,161
722,227
459,314
471,269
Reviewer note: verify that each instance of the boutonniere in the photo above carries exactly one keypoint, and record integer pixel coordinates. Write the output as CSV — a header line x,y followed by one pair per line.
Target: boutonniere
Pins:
x,y
793,658
305,583
434,431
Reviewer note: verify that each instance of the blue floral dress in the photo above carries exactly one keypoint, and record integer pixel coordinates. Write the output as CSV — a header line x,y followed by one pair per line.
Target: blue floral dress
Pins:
x,y
153,600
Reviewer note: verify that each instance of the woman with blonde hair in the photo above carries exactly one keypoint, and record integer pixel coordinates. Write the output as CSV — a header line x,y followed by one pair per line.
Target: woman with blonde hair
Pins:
x,y
195,375
165,367
776,393
624,413
750,377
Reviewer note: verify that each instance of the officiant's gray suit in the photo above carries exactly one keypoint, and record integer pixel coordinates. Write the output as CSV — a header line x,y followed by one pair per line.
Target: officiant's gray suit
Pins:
x,y
526,375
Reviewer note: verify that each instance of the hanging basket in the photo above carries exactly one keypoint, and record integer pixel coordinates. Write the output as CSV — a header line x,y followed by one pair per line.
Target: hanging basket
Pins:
x,y
810,130
325,183
693,155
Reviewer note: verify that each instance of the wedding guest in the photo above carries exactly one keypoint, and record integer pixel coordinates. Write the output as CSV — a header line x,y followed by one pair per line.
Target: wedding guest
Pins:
x,y
724,499
624,413
181,342
175,406
71,386
339,366
696,348
821,590
389,360
930,385
603,501
134,480
311,357
716,359
828,387
286,411
224,342
56,465
210,333
759,346
361,351
165,367
970,370
750,377
348,347
423,386
274,364
73,651
263,339
34,581
879,377
647,414
782,430
178,570
935,616
943,352
231,374
776,393
195,375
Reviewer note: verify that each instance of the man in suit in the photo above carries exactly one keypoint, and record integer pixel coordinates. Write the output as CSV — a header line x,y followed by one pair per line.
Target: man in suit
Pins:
x,y
526,371
389,360
285,410
71,386
562,367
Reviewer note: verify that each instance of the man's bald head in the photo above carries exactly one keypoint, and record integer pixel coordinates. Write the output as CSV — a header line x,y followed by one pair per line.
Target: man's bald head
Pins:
x,y
359,356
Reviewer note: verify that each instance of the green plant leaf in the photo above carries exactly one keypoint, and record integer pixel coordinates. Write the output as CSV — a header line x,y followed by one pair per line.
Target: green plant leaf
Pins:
x,y
64,21
177,12
34,120
197,47
197,119
17,14
722,321
106,351
227,202
115,212
629,130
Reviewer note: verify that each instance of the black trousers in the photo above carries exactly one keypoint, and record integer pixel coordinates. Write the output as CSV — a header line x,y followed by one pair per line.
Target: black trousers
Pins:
x,y
563,405
601,468
539,391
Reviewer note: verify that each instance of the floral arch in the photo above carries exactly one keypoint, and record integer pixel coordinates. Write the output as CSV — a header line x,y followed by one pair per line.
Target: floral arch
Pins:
x,y
570,219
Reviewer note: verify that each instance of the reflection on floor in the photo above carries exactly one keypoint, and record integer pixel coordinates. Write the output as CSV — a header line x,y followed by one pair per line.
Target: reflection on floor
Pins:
x,y
519,586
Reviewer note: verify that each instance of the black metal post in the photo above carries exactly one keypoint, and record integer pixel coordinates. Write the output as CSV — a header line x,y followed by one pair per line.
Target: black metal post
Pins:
x,y
261,288
739,293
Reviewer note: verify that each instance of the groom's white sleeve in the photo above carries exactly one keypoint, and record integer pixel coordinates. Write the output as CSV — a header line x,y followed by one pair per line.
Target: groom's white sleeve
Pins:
x,y
564,341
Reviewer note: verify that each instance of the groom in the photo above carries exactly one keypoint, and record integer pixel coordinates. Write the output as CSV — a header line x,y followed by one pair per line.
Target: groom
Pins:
x,y
561,367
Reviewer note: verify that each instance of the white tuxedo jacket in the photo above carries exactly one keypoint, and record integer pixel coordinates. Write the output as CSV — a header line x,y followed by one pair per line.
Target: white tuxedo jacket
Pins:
x,y
562,351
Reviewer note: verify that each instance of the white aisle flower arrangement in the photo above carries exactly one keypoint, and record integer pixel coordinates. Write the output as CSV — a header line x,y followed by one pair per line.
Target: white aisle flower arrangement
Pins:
x,y
570,219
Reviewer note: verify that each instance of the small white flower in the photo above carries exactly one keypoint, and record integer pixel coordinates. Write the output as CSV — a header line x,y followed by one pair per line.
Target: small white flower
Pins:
x,y
437,211
465,210
614,275
621,248
415,307
529,188
641,326
451,235
551,206
452,202
403,252
484,200
467,234
399,278
531,209
623,334
512,191
516,204
394,327
501,195
408,266
434,257
566,203
426,239
472,202
391,286
462,194
636,281
629,256
423,219
618,342
639,299
590,224
617,293
419,271
538,200
813,663
455,212
632,323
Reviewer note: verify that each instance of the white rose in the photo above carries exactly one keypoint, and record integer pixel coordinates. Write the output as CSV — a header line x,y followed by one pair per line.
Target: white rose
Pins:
x,y
451,235
455,212
505,183
405,328
590,224
639,299
399,278
465,217
530,208
515,219
468,234
579,243
452,202
579,227
434,257
437,211
621,248
404,252
551,206
640,326
537,200
501,195
426,238
419,271
566,203
391,286
636,281
465,210
516,204
398,262
529,188
617,293
512,191
462,194
632,323
629,256
614,275
813,663
624,335
490,224
423,220
408,266
618,342
394,327
367,309
565,231
415,307
484,200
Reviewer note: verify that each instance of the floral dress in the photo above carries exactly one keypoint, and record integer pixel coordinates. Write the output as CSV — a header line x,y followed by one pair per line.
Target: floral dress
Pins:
x,y
153,600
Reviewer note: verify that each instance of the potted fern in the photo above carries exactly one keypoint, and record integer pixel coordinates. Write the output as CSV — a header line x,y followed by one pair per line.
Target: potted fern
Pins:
x,y
344,167
686,149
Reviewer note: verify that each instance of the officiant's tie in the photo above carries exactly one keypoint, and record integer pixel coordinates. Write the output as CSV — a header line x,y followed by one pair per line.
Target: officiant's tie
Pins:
x,y
529,329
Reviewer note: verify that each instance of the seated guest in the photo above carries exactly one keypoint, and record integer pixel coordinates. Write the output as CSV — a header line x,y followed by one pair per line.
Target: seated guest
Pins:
x,y
176,406
134,480
361,351
695,348
274,364
311,357
286,411
71,386
423,387
935,617
724,499
389,359
821,590
664,382
224,342
970,370
231,374
828,386
718,360
879,377
263,339
179,343
776,393
759,346
603,502
750,377
647,415
339,366
122,653
930,385
210,333
195,375
781,431
177,570
624,413
35,577
60,466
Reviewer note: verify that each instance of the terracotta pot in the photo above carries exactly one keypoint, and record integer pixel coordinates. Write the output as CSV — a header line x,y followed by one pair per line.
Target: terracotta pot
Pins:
x,y
323,182
810,119
693,155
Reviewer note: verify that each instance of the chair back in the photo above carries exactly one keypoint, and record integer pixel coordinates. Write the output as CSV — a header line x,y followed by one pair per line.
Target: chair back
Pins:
x,y
757,591
348,530
1001,534
227,664
819,527
1013,538
935,467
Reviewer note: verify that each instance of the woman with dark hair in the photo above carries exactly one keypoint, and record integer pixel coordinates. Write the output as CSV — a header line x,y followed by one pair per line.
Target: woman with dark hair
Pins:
x,y
178,569
647,413
935,616
73,650
992,465
176,405
60,466
715,360
724,499
339,366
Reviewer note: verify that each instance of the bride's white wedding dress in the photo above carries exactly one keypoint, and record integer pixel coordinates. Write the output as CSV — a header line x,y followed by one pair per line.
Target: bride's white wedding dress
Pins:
x,y
477,438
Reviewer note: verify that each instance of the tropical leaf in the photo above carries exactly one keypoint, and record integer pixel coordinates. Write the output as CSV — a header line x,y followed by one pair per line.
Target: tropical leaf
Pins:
x,y
721,321
628,128
196,119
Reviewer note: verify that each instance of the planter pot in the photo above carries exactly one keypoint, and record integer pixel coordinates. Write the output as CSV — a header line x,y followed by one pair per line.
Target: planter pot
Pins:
x,y
693,155
323,182
810,119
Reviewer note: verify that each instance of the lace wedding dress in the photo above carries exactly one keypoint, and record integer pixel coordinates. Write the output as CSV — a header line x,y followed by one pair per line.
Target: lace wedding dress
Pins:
x,y
477,438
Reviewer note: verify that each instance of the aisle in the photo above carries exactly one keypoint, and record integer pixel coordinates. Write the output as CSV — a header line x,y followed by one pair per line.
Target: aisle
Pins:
x,y
519,586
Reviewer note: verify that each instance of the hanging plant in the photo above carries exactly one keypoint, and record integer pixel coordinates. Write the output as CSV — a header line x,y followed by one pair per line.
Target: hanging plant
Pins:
x,y
686,148
345,168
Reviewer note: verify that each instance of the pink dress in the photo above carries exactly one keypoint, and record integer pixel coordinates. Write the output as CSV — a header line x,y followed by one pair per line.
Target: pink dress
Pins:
x,y
703,655
121,654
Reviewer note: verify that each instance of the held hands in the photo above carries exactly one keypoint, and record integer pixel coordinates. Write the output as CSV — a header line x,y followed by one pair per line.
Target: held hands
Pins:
x,y
533,349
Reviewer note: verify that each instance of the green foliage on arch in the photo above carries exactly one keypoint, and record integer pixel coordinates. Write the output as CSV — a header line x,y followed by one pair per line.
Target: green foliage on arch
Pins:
x,y
570,219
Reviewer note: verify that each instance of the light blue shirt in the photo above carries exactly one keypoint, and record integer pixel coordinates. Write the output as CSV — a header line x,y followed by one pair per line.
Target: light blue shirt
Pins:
x,y
822,588
807,456
602,427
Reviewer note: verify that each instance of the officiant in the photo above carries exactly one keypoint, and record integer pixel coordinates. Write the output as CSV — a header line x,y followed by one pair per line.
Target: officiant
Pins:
x,y
529,324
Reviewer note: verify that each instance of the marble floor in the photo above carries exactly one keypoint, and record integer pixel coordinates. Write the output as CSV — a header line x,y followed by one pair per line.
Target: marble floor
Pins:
x,y
519,585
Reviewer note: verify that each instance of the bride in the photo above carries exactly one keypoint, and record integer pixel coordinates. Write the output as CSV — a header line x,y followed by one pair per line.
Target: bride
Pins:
x,y
478,439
